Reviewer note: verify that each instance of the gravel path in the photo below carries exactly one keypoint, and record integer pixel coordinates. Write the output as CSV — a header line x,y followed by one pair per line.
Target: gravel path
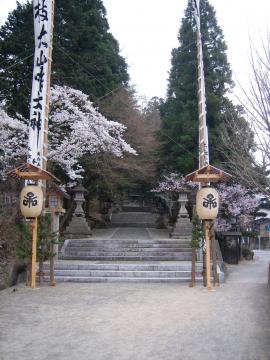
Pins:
x,y
140,321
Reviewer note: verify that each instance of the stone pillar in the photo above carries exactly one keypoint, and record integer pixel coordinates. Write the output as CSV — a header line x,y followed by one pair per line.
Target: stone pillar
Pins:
x,y
183,226
78,227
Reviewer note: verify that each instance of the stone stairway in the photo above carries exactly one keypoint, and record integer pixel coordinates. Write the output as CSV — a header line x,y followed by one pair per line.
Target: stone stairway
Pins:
x,y
127,249
127,271
124,254
135,217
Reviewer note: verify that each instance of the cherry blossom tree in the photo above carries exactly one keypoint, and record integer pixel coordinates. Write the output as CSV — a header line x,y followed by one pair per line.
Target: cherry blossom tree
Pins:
x,y
13,137
170,186
76,130
236,201
173,183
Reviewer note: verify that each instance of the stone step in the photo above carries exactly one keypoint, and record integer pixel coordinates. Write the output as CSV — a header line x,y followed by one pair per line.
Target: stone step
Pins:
x,y
89,242
120,279
126,249
127,273
154,272
129,248
133,219
124,266
178,257
129,223
119,253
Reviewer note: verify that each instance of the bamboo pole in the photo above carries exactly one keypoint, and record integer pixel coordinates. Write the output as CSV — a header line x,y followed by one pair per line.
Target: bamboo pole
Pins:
x,y
34,253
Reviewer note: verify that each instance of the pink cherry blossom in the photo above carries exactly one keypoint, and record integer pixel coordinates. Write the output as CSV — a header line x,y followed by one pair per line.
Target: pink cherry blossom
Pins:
x,y
76,129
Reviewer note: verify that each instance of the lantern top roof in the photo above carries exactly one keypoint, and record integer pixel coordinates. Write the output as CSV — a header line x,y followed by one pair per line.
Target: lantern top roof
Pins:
x,y
29,171
55,189
79,188
208,174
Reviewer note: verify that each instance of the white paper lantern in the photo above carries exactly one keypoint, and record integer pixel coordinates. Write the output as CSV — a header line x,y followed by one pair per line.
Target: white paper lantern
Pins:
x,y
31,201
207,203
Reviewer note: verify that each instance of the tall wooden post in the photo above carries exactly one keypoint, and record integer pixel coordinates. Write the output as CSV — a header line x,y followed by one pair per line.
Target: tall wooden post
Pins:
x,y
46,130
203,132
48,94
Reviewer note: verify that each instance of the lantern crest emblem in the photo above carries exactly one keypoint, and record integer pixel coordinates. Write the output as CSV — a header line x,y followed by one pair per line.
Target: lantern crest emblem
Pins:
x,y
210,201
30,199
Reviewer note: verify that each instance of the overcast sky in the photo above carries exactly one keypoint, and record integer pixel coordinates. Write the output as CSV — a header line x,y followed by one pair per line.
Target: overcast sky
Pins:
x,y
147,31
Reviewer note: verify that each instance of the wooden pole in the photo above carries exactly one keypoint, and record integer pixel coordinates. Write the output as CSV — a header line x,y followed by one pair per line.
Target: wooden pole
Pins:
x,y
54,229
52,280
34,253
193,268
214,255
46,125
207,255
203,256
46,130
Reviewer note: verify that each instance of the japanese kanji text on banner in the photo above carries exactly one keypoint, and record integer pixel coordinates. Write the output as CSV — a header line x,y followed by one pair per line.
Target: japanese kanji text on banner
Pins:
x,y
42,26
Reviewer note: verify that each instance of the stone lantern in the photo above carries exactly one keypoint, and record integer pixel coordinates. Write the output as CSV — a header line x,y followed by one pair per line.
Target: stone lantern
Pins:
x,y
54,205
78,227
183,226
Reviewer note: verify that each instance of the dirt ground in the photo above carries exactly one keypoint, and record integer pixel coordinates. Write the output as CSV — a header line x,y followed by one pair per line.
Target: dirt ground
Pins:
x,y
140,321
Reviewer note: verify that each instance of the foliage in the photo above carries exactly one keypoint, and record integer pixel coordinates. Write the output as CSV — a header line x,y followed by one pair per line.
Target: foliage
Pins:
x,y
236,202
45,237
14,234
77,130
85,54
197,233
247,253
113,175
24,246
179,112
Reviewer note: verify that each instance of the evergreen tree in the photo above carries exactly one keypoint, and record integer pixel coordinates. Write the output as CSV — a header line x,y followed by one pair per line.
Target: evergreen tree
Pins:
x,y
180,111
85,55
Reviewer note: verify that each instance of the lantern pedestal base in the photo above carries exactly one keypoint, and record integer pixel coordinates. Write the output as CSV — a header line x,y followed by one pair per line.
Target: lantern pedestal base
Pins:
x,y
78,229
182,228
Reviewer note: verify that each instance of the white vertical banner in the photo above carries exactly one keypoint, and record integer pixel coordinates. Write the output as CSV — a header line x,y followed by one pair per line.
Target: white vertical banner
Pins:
x,y
43,37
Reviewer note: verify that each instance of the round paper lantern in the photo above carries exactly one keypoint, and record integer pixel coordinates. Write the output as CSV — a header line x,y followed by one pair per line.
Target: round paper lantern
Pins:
x,y
207,203
31,201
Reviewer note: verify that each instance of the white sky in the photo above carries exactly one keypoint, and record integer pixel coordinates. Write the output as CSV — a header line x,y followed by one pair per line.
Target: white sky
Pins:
x,y
147,31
